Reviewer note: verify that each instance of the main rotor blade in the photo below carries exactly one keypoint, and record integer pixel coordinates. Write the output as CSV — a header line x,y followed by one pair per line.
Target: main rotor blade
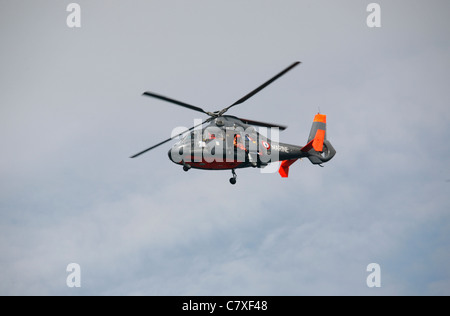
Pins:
x,y
263,124
169,139
248,96
161,97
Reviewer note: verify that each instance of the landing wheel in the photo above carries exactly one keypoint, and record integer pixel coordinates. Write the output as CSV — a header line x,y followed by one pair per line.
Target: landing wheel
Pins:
x,y
233,180
186,168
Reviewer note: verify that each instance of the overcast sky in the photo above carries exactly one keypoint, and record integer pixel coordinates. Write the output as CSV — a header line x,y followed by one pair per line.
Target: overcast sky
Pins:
x,y
71,113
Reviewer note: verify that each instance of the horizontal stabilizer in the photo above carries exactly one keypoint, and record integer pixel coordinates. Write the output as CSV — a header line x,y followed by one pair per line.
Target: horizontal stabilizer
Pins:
x,y
284,168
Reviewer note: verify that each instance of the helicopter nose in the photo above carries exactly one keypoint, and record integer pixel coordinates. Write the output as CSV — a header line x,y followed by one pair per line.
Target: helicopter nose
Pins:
x,y
170,154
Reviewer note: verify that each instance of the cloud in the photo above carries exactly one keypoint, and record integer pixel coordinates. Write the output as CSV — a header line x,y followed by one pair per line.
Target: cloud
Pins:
x,y
69,192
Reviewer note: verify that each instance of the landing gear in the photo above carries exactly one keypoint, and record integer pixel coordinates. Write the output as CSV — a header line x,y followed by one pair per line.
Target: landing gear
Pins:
x,y
186,167
233,180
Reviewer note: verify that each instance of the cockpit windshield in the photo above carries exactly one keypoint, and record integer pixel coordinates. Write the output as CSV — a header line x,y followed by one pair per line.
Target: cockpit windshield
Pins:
x,y
202,137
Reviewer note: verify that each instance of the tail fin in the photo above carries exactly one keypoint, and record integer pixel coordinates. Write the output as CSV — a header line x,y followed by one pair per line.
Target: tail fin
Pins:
x,y
317,140
318,132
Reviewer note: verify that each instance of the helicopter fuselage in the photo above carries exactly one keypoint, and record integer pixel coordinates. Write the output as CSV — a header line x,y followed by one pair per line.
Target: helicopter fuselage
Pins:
x,y
228,143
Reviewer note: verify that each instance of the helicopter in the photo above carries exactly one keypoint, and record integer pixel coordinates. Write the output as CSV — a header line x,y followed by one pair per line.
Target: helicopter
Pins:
x,y
225,142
